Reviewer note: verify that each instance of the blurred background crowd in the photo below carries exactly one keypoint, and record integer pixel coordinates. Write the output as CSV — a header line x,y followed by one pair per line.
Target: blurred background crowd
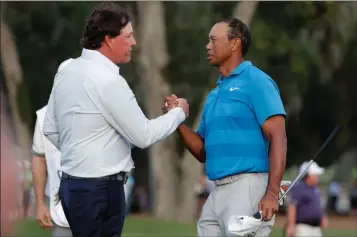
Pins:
x,y
308,48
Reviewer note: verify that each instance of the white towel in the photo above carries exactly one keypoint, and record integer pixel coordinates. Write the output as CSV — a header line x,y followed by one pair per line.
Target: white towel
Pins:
x,y
57,214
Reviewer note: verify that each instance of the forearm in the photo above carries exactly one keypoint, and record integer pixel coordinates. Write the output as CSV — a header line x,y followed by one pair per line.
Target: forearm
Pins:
x,y
161,127
291,215
277,161
39,173
193,142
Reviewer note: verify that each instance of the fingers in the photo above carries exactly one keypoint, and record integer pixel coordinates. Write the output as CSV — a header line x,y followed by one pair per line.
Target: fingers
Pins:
x,y
269,215
172,105
45,223
170,102
172,97
45,220
266,211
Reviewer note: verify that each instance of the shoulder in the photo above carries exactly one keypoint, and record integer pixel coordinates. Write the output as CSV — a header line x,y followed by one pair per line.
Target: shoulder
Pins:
x,y
259,79
97,74
298,186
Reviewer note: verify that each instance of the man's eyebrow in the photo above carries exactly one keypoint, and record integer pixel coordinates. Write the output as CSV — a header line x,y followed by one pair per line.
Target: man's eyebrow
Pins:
x,y
213,37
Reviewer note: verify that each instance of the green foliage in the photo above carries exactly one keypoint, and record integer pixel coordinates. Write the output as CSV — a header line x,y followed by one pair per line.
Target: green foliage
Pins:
x,y
297,43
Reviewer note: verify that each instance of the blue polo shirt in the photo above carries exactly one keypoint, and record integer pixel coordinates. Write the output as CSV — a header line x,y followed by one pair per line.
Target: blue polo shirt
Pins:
x,y
231,122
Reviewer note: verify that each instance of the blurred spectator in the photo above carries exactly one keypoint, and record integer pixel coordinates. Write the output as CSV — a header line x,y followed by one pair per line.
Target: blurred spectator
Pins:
x,y
128,190
334,190
343,206
203,188
140,200
27,187
353,197
306,216
9,171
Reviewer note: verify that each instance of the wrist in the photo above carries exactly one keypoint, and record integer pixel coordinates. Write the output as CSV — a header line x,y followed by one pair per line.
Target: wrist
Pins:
x,y
272,194
40,203
274,189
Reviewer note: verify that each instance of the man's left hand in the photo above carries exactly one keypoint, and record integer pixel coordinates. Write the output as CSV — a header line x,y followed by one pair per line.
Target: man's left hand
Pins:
x,y
268,206
170,102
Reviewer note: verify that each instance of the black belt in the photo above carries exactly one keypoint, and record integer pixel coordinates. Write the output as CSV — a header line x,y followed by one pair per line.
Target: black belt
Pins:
x,y
314,223
122,176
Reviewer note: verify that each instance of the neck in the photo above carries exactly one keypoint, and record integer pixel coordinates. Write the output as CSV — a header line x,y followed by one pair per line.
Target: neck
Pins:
x,y
309,183
227,67
105,51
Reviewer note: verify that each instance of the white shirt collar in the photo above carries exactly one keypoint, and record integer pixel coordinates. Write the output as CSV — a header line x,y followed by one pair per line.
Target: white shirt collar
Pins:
x,y
97,56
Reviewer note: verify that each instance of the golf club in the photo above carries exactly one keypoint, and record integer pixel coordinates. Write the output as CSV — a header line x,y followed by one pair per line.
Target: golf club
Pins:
x,y
323,146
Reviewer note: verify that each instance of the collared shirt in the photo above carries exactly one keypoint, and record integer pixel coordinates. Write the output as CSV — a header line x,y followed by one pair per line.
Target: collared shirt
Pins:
x,y
308,202
42,145
232,119
93,118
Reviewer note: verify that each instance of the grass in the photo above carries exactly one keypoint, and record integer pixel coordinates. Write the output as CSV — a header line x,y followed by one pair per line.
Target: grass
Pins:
x,y
145,227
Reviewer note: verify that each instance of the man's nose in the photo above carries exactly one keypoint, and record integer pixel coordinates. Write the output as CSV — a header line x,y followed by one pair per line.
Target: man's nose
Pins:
x,y
133,41
209,46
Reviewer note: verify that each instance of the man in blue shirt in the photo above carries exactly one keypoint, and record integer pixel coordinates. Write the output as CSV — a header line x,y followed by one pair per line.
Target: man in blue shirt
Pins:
x,y
241,137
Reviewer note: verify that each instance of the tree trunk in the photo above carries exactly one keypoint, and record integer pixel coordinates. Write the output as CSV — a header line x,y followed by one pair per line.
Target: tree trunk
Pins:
x,y
190,167
17,92
153,58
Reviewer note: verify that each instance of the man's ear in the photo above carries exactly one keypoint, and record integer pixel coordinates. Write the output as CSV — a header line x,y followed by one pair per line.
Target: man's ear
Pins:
x,y
236,44
107,41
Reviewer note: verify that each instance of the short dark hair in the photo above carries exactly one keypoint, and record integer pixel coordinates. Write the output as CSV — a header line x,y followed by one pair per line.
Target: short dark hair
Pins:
x,y
106,19
237,29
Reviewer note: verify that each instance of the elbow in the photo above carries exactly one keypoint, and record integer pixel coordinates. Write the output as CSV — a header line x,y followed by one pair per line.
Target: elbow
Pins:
x,y
202,161
142,145
201,156
142,142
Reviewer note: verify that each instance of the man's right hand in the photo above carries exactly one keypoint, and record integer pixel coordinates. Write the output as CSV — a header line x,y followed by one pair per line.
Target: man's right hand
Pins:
x,y
173,101
184,105
43,217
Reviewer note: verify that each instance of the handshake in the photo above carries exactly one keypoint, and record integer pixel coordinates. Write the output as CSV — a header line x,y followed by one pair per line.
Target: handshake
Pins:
x,y
173,101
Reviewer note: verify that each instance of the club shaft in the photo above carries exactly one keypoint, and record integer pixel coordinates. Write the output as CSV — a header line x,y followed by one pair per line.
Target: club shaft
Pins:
x,y
323,146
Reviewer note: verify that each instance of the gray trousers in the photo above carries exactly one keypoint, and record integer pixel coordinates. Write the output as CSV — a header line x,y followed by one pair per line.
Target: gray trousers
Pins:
x,y
59,231
234,195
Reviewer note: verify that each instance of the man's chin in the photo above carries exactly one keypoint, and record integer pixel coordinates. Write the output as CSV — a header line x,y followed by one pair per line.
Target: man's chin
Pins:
x,y
126,60
213,63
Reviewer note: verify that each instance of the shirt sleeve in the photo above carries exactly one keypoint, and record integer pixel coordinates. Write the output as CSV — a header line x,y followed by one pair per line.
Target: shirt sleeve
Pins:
x,y
50,126
38,147
294,197
265,99
119,106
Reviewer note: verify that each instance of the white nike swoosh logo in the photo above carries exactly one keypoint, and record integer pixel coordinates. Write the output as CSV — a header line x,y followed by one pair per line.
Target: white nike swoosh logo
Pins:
x,y
233,89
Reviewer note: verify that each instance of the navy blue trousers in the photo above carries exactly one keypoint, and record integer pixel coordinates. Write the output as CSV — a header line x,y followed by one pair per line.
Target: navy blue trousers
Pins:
x,y
93,208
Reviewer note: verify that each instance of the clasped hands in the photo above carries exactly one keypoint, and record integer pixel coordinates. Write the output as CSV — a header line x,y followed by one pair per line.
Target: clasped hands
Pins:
x,y
173,101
